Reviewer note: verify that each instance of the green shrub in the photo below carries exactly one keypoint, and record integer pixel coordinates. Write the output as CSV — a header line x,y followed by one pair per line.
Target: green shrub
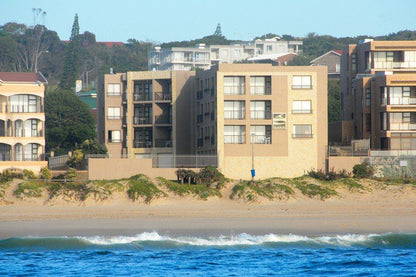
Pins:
x,y
28,189
75,161
9,175
200,191
209,175
71,174
267,188
140,186
28,174
363,170
45,173
312,190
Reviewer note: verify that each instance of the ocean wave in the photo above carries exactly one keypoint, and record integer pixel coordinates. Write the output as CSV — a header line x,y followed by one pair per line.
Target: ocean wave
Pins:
x,y
154,239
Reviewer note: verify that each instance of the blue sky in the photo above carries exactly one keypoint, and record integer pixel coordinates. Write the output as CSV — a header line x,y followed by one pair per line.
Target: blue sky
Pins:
x,y
163,21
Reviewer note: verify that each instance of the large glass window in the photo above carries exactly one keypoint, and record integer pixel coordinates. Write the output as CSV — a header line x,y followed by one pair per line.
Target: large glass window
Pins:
x,y
4,152
24,103
260,109
31,128
402,121
302,131
234,109
234,85
401,96
303,106
114,113
261,134
18,128
260,85
113,89
31,152
302,82
234,134
18,152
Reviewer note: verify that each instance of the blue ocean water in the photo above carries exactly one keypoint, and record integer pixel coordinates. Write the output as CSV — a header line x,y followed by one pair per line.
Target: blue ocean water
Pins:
x,y
151,254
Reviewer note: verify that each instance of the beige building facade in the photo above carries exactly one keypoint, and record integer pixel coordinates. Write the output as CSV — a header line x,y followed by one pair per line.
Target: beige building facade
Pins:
x,y
274,116
378,93
143,114
22,121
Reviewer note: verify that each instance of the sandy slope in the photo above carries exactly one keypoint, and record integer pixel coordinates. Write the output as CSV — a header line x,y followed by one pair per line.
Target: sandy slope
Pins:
x,y
384,209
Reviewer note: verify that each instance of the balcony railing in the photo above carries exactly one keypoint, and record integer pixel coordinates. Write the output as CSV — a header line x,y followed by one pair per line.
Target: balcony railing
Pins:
x,y
234,139
402,126
142,144
142,120
24,109
162,96
142,97
260,114
395,65
234,114
261,139
163,143
302,136
398,101
303,111
163,119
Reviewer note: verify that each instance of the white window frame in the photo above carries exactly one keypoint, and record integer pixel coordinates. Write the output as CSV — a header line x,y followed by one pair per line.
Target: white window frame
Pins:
x,y
302,107
113,113
113,89
234,109
234,134
234,85
302,82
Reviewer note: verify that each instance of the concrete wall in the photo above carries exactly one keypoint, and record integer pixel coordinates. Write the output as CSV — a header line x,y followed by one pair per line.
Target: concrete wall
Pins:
x,y
34,166
344,163
101,169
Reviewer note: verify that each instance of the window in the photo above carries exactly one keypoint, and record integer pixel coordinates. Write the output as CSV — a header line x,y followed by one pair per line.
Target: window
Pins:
x,y
113,89
113,113
234,134
261,134
368,97
260,109
337,68
31,128
260,85
237,53
400,96
302,82
368,122
234,110
25,103
302,131
354,62
234,85
302,106
269,48
114,136
18,152
18,128
31,152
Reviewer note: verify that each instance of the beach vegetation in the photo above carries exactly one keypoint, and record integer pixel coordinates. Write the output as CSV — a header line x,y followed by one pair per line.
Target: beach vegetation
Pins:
x,y
363,170
141,187
330,176
28,174
313,190
71,174
269,188
45,173
4,185
210,175
76,159
29,189
200,191
9,175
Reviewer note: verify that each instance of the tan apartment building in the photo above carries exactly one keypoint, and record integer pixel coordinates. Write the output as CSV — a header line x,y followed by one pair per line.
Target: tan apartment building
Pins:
x,y
276,116
378,94
145,114
22,121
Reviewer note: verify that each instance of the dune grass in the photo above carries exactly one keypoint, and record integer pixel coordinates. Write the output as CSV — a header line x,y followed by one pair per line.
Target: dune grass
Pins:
x,y
269,188
141,187
200,191
29,189
313,190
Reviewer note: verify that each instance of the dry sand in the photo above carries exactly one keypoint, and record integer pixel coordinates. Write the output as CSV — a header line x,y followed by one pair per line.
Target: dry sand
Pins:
x,y
391,209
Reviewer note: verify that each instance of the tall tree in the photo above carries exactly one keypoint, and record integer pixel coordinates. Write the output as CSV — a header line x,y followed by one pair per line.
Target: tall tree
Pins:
x,y
71,63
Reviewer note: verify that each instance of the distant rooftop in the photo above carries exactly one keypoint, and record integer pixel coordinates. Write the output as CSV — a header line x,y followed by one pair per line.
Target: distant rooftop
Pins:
x,y
25,77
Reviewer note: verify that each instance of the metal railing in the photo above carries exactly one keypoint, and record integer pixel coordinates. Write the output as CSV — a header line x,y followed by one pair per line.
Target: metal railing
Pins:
x,y
163,143
58,161
143,144
394,65
402,126
398,101
142,97
163,119
163,96
142,120
261,139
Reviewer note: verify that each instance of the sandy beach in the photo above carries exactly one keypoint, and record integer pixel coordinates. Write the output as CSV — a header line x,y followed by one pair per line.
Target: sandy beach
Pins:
x,y
391,209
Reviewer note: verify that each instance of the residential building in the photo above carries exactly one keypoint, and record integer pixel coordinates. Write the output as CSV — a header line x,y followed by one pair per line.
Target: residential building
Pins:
x,y
378,94
276,114
145,113
22,121
203,56
331,59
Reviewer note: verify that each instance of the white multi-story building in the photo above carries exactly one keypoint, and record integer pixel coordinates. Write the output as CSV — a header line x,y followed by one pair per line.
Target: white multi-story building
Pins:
x,y
203,56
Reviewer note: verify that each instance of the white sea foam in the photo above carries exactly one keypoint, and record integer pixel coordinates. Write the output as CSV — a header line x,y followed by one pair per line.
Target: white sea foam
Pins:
x,y
231,240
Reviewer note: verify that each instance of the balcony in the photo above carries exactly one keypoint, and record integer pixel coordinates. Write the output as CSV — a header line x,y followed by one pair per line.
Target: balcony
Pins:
x,y
142,120
394,65
142,144
142,97
402,126
398,101
261,114
234,114
163,143
24,109
234,139
163,96
163,119
261,139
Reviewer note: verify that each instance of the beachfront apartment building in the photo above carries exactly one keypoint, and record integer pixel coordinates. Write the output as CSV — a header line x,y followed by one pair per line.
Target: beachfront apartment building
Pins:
x,y
278,115
22,121
143,114
203,56
378,94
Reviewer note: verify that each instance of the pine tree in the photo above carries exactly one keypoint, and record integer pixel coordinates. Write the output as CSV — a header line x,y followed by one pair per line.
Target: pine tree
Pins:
x,y
70,67
218,31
